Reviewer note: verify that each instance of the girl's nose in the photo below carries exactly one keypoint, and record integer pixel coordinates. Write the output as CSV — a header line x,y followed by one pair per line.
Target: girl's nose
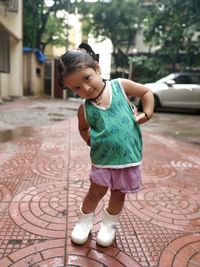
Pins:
x,y
86,88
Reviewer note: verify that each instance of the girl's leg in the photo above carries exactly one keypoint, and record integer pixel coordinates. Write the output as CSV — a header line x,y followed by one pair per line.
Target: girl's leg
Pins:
x,y
116,202
106,234
82,229
94,195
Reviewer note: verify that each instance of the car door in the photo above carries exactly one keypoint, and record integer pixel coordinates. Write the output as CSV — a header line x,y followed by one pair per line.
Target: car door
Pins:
x,y
194,97
179,94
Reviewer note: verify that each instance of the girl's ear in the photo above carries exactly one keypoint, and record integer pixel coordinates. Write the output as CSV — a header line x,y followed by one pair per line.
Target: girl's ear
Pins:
x,y
97,68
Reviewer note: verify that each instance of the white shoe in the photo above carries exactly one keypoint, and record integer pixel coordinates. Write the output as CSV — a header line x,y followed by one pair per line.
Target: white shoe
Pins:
x,y
82,229
106,234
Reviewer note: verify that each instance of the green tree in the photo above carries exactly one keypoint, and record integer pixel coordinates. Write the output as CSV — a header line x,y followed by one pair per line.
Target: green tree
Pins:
x,y
147,68
174,26
41,24
117,20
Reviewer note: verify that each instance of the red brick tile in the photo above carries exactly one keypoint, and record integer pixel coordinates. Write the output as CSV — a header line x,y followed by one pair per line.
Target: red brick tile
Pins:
x,y
53,253
6,262
159,222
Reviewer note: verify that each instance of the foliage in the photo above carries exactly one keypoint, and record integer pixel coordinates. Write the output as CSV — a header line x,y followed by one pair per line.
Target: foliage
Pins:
x,y
169,25
174,26
52,35
147,68
30,22
117,20
41,24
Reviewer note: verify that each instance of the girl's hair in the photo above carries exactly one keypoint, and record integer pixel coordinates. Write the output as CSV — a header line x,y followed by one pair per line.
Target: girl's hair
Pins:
x,y
83,57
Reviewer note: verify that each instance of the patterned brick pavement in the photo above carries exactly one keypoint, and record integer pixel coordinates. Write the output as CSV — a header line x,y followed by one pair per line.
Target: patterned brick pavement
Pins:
x,y
44,168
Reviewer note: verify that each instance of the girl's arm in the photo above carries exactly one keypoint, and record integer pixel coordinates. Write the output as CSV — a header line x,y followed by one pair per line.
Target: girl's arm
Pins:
x,y
136,89
83,125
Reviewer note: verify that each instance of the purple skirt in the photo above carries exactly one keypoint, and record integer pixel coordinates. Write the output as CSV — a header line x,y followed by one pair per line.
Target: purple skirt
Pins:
x,y
127,180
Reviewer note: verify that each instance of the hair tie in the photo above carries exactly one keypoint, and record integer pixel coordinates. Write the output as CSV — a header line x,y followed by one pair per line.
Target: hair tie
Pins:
x,y
87,48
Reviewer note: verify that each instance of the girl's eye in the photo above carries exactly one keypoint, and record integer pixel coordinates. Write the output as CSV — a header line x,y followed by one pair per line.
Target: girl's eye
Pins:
x,y
87,78
77,89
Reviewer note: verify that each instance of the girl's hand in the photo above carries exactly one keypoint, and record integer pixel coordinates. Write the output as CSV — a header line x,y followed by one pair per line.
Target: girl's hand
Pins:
x,y
142,117
135,111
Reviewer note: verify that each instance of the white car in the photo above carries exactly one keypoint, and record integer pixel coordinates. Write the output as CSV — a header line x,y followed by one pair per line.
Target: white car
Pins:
x,y
177,90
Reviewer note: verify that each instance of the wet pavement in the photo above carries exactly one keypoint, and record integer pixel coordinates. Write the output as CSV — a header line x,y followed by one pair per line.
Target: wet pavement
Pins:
x,y
44,167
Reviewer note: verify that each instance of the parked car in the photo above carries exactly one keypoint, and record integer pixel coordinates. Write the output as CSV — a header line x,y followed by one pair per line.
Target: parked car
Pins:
x,y
177,90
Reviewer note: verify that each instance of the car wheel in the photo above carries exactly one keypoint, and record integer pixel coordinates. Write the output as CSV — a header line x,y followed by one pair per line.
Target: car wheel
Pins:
x,y
156,103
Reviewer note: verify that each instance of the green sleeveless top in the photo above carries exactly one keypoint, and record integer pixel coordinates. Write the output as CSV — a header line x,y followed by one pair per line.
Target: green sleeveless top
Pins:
x,y
115,136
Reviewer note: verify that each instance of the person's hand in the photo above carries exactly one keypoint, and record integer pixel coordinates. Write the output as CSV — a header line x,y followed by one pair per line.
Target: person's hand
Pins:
x,y
141,118
135,111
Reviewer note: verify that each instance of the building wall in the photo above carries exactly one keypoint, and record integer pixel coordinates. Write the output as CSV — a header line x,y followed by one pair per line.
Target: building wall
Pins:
x,y
74,37
16,68
11,83
104,55
52,51
13,21
75,31
37,76
33,76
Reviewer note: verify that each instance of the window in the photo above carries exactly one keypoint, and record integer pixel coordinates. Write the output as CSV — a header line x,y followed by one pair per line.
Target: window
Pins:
x,y
4,51
195,79
183,79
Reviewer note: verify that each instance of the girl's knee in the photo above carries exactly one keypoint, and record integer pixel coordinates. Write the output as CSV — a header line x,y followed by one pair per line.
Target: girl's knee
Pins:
x,y
94,196
96,192
117,195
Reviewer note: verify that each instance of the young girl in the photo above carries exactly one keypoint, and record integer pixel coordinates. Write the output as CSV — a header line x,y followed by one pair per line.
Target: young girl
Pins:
x,y
109,126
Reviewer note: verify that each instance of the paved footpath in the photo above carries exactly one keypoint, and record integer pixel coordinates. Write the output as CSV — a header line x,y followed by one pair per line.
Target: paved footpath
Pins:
x,y
44,168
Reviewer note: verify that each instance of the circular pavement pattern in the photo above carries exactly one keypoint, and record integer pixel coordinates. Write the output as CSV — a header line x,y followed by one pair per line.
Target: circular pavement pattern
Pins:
x,y
14,166
41,209
50,253
80,166
79,171
173,208
184,164
184,252
154,170
50,168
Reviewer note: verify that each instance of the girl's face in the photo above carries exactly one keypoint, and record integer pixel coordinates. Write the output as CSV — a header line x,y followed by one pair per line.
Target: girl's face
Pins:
x,y
86,82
